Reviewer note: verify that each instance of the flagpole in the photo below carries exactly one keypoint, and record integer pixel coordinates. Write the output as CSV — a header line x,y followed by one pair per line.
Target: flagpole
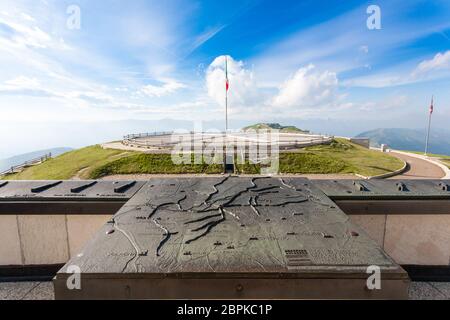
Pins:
x,y
429,126
226,95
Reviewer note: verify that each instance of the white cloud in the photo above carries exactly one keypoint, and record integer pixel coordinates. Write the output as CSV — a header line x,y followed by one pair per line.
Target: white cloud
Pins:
x,y
205,37
440,61
26,33
169,86
242,91
20,83
308,88
24,86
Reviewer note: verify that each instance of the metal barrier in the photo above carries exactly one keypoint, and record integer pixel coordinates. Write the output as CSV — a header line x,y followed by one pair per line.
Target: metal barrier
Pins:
x,y
20,167
305,140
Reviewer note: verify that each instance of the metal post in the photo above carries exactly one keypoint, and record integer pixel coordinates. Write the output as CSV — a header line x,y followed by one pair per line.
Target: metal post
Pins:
x,y
428,134
429,126
226,95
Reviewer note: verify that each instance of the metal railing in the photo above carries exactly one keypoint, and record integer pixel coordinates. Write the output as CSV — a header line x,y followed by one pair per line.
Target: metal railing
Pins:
x,y
28,163
138,140
147,134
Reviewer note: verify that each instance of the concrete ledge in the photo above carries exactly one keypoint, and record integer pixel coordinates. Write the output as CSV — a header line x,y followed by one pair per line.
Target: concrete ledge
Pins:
x,y
386,175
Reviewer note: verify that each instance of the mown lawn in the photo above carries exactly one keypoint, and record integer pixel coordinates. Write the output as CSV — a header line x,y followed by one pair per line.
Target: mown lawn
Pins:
x,y
339,157
357,159
152,164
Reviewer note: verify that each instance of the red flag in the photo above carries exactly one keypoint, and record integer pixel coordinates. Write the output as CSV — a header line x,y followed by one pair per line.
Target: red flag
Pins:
x,y
431,107
227,83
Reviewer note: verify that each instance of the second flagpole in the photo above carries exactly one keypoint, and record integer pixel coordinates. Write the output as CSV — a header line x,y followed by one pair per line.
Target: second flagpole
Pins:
x,y
429,125
226,94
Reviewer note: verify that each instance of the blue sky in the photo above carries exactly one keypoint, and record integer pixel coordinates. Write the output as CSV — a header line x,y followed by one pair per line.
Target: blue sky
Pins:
x,y
290,61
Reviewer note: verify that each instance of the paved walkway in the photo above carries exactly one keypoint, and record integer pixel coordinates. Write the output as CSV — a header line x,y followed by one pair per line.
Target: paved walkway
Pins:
x,y
44,291
418,168
26,291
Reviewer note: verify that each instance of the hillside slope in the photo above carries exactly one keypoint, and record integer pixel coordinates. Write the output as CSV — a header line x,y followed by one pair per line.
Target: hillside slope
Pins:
x,y
274,126
21,158
339,157
78,163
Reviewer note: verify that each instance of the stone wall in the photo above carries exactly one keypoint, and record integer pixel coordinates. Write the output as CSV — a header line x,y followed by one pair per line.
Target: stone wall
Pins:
x,y
45,239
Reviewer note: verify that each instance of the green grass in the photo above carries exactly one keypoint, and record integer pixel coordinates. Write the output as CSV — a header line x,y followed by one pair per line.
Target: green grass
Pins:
x,y
311,163
352,158
152,164
339,157
276,126
70,164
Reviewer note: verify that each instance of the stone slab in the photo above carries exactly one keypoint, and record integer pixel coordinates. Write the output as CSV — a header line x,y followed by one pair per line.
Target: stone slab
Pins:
x,y
230,228
374,225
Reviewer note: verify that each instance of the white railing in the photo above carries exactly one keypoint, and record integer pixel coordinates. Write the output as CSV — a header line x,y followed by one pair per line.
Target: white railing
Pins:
x,y
286,140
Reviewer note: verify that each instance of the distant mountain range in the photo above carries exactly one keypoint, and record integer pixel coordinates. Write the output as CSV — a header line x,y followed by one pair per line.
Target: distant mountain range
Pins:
x,y
19,159
275,126
410,139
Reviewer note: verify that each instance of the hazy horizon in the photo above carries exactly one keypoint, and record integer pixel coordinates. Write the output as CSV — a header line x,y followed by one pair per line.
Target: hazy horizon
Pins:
x,y
74,75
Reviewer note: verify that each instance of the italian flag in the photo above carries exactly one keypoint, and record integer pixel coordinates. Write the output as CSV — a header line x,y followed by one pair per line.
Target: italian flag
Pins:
x,y
227,82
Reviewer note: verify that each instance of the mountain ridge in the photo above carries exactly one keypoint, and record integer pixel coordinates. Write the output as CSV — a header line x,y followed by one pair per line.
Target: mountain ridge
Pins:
x,y
274,126
409,139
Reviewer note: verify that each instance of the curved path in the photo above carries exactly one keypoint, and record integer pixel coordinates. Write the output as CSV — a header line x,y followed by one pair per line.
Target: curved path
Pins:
x,y
418,168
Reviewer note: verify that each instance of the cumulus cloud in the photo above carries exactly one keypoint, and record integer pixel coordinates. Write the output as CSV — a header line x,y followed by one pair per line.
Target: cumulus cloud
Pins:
x,y
440,61
25,33
307,88
243,90
169,86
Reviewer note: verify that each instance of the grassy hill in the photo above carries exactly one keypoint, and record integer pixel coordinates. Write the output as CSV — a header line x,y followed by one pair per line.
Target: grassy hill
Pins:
x,y
78,163
339,157
410,139
274,126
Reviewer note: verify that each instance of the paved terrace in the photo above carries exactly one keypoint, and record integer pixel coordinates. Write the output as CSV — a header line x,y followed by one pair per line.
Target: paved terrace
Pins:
x,y
164,142
44,291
